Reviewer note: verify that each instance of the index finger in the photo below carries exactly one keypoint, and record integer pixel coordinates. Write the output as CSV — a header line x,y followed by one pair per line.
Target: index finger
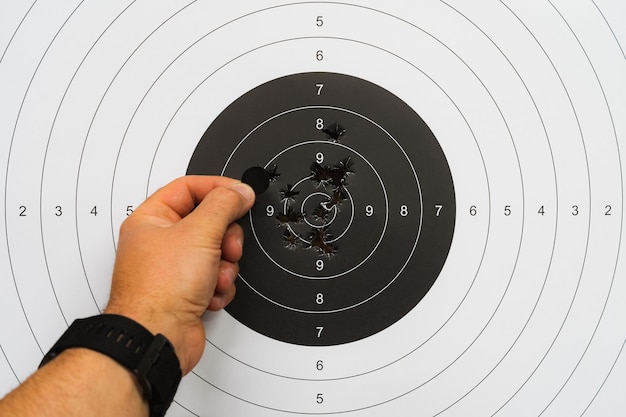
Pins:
x,y
179,198
221,207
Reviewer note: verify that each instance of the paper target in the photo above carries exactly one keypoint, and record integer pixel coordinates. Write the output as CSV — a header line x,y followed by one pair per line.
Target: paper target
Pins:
x,y
442,228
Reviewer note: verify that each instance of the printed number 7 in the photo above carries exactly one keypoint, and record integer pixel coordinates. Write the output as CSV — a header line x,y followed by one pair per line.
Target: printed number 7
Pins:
x,y
319,330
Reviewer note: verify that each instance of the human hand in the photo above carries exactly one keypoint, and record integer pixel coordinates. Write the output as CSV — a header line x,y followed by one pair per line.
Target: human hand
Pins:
x,y
177,257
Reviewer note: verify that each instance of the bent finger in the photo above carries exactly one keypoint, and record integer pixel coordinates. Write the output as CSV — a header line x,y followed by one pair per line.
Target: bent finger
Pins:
x,y
179,198
232,243
222,299
219,209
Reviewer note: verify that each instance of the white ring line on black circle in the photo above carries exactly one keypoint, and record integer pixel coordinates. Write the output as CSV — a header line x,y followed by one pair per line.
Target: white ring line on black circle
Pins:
x,y
335,210
489,209
302,207
382,234
17,121
350,150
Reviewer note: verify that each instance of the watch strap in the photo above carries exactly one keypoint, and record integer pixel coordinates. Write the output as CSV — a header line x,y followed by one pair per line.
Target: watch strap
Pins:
x,y
151,358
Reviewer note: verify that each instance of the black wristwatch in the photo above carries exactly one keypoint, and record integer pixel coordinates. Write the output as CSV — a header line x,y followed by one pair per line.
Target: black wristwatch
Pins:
x,y
151,358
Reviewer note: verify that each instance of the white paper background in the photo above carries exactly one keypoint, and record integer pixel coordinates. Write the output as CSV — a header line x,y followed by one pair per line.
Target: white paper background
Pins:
x,y
103,102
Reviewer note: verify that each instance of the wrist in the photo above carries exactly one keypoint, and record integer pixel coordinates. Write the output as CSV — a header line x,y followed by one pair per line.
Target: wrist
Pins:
x,y
151,358
155,322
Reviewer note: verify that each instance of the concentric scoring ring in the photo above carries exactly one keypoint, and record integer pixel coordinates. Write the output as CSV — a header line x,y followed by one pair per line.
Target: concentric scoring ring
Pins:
x,y
412,208
269,240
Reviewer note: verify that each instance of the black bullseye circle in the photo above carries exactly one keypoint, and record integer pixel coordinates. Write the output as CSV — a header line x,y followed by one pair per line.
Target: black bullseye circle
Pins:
x,y
359,212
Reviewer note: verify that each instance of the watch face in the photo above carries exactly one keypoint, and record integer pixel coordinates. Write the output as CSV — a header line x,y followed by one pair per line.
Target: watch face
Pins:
x,y
358,216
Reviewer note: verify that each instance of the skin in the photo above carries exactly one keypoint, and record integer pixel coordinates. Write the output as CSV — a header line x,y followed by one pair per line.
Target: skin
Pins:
x,y
177,257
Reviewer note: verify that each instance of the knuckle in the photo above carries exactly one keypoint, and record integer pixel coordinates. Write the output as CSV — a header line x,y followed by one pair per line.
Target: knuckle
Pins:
x,y
227,199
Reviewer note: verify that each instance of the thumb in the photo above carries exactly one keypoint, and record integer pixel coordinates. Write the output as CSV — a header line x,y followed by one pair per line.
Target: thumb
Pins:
x,y
219,208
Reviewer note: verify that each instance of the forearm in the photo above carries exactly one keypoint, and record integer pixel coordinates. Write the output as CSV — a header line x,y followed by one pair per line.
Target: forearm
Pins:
x,y
79,382
177,256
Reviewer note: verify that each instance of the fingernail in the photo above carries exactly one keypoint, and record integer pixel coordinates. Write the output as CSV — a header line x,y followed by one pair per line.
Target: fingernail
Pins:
x,y
245,190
